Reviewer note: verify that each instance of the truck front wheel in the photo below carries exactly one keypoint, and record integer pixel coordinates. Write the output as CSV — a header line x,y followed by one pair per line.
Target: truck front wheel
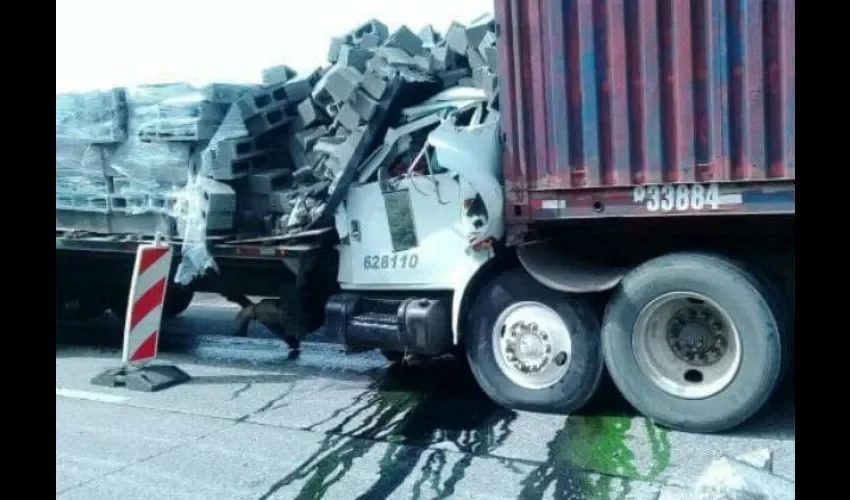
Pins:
x,y
693,341
532,348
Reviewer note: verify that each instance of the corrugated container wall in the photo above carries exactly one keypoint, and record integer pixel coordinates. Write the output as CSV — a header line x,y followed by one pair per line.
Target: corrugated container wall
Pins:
x,y
616,93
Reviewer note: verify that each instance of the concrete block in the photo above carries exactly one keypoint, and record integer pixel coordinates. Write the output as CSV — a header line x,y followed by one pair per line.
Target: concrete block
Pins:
x,y
374,85
353,57
336,46
336,85
297,154
307,138
268,161
475,33
267,142
395,56
429,36
299,89
341,84
370,41
234,149
490,39
220,221
281,201
349,118
218,196
225,93
304,175
127,203
425,62
363,104
332,109
260,203
273,180
378,65
177,130
405,40
456,39
491,54
310,114
276,117
261,100
351,149
453,77
445,59
231,158
278,74
475,59
370,27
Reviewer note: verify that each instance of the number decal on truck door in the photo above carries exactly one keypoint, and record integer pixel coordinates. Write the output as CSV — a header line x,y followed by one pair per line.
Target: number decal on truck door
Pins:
x,y
394,261
678,197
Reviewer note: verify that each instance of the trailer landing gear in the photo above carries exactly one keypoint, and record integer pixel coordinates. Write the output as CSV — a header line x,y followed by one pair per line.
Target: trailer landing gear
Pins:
x,y
149,378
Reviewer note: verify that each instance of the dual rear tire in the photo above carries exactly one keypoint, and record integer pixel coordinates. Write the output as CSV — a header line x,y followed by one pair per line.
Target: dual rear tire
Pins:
x,y
695,342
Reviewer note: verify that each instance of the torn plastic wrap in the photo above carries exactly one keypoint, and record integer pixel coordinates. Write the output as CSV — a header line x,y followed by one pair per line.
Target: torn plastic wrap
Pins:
x,y
194,203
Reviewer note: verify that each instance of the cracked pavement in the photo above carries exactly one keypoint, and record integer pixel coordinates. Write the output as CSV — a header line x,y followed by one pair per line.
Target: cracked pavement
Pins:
x,y
252,424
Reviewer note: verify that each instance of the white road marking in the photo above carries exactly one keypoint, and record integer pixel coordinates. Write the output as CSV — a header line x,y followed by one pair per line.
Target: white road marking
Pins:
x,y
90,396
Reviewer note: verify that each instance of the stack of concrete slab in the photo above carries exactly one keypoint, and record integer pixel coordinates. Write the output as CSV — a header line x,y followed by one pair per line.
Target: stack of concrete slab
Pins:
x,y
123,153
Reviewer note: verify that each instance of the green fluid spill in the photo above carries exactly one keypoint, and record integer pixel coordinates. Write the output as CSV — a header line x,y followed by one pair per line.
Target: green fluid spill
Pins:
x,y
595,445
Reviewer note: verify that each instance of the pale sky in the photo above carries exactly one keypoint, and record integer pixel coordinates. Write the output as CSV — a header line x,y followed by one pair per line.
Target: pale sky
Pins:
x,y
108,43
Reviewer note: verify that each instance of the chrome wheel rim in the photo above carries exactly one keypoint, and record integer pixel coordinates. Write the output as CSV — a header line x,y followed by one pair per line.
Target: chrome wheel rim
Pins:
x,y
532,345
687,345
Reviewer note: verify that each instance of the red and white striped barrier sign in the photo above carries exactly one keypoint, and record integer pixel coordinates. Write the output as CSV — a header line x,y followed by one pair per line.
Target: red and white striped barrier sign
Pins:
x,y
147,295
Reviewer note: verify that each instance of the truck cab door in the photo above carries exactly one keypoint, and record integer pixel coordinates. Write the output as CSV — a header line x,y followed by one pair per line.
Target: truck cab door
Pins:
x,y
403,232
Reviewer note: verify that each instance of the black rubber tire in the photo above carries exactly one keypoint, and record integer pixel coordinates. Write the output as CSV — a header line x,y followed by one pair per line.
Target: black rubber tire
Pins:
x,y
91,304
750,306
580,382
177,300
393,356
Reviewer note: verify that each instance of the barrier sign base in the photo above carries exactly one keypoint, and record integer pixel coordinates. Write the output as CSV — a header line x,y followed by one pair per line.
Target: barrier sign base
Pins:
x,y
150,378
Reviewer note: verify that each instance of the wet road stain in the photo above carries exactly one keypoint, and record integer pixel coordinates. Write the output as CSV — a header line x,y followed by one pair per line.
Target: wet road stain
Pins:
x,y
411,409
406,411
409,414
238,392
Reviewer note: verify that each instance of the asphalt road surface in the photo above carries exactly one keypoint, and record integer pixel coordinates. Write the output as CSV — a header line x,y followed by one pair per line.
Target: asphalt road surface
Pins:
x,y
253,424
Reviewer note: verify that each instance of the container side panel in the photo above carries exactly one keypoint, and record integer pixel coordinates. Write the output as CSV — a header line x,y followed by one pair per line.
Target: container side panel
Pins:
x,y
611,94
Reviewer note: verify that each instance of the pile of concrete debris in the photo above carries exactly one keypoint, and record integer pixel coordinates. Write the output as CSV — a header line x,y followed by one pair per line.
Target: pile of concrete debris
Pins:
x,y
310,136
279,159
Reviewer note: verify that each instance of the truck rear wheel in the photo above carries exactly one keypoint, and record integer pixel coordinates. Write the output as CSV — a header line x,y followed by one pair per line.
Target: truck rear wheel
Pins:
x,y
532,348
177,300
693,342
